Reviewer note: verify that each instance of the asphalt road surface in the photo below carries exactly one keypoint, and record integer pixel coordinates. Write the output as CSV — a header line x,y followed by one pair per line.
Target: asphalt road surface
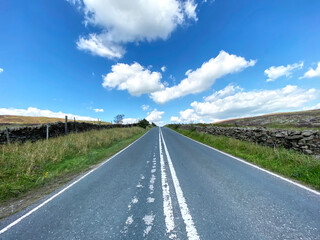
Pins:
x,y
166,186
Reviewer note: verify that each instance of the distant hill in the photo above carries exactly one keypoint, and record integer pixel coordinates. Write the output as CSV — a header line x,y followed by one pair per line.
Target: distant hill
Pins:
x,y
303,119
10,120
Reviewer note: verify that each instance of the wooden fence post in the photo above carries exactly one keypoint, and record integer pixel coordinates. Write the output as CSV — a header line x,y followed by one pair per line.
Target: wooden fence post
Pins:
x,y
8,138
66,125
47,136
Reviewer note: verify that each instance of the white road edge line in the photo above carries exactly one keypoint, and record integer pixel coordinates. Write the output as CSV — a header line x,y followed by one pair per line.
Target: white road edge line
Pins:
x,y
64,189
167,202
255,166
185,213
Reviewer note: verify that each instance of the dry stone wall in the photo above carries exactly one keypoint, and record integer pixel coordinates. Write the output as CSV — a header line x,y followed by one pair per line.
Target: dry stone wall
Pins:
x,y
303,141
34,133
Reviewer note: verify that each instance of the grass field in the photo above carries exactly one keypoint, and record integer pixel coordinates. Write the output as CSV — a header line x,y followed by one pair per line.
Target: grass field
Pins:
x,y
24,167
297,166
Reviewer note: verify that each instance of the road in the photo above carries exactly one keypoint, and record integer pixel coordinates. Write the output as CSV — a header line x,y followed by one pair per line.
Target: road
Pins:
x,y
166,186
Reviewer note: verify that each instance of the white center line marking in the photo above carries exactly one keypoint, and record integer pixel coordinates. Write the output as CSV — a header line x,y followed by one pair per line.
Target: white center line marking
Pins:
x,y
167,203
187,218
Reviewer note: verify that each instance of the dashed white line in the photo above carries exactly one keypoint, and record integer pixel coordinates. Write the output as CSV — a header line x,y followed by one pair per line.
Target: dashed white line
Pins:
x,y
151,189
167,203
152,179
187,218
151,186
148,220
129,220
134,200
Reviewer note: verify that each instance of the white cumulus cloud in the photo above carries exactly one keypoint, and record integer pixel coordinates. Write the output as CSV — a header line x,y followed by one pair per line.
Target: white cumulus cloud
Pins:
x,y
163,69
130,120
227,91
134,78
275,72
100,46
204,77
155,116
35,112
145,107
190,9
317,106
186,116
250,103
1,70
98,110
124,21
312,72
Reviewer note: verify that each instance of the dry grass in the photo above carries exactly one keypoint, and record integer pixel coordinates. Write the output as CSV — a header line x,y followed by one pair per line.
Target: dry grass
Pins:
x,y
25,166
24,120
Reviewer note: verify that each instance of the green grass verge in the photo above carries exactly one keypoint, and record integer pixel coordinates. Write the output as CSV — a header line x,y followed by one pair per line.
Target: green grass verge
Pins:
x,y
288,163
24,167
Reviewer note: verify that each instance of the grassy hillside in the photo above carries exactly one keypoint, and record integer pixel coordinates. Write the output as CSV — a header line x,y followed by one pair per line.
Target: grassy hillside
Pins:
x,y
304,120
16,121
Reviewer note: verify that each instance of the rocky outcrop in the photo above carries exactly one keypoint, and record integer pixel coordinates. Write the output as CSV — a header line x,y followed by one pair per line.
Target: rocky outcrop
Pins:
x,y
34,133
303,141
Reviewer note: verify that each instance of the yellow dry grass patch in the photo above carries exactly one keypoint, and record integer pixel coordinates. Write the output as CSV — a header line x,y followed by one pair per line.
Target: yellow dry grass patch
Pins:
x,y
24,166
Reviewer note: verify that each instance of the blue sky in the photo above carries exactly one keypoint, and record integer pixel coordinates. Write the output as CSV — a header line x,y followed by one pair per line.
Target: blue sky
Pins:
x,y
100,58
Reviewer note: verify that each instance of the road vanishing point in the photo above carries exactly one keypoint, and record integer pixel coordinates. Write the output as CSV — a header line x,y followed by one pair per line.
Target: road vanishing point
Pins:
x,y
167,186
